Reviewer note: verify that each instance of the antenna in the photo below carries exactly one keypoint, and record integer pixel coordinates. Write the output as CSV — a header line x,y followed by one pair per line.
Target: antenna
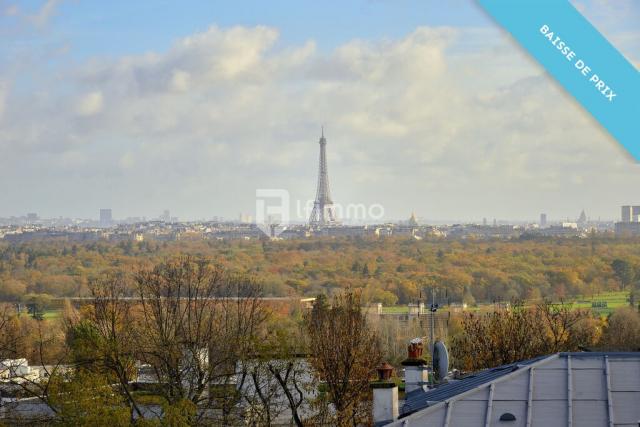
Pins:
x,y
432,310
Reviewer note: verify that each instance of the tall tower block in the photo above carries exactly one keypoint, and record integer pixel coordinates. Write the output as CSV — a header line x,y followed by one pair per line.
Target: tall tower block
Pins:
x,y
323,212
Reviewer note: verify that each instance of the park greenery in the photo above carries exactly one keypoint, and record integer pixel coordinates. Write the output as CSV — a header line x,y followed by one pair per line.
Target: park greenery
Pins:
x,y
389,271
191,316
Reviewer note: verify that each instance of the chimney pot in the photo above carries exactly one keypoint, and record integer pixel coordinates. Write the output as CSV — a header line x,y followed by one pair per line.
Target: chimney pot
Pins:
x,y
384,372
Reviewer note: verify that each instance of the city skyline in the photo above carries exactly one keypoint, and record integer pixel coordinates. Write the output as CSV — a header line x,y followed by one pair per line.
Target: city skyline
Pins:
x,y
249,217
227,102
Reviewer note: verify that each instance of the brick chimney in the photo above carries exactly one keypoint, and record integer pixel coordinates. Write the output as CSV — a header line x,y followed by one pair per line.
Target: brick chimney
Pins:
x,y
416,373
385,397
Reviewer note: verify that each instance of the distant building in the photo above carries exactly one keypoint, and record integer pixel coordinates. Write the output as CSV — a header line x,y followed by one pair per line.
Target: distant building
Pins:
x,y
17,371
106,218
413,222
166,216
627,229
32,217
245,218
583,217
629,224
543,220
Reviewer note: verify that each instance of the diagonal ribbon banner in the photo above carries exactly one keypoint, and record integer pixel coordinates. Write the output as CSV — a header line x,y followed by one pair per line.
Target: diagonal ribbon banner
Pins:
x,y
580,59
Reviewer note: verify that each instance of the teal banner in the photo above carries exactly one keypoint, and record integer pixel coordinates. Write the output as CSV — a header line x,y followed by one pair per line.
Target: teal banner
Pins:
x,y
580,59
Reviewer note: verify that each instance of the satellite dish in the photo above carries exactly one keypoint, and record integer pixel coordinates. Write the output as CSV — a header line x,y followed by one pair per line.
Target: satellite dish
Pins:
x,y
440,361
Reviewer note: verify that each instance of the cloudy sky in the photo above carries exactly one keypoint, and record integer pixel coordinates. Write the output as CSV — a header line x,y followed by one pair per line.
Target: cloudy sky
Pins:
x,y
193,105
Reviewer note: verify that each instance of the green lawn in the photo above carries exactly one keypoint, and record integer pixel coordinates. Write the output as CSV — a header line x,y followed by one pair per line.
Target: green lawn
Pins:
x,y
52,314
395,309
613,300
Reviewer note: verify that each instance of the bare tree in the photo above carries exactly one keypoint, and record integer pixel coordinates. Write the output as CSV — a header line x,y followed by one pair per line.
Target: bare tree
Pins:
x,y
196,322
113,337
344,353
8,338
260,393
518,333
623,330
290,376
561,322
51,359
281,384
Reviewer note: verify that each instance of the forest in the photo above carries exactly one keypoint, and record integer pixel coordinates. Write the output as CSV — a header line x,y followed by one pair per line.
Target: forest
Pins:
x,y
185,342
390,271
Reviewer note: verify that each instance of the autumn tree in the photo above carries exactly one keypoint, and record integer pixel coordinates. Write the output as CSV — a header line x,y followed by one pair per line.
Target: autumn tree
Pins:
x,y
275,381
623,330
567,328
196,323
518,333
624,271
85,399
9,337
344,353
106,340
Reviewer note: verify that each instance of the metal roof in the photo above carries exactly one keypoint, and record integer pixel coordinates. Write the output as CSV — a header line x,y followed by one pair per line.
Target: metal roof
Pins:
x,y
420,399
574,389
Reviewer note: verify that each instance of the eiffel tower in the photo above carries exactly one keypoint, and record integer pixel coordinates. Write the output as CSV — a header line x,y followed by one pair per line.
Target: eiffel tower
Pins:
x,y
323,212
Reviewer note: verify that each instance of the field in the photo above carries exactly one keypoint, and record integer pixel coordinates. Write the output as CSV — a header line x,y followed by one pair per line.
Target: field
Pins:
x,y
603,304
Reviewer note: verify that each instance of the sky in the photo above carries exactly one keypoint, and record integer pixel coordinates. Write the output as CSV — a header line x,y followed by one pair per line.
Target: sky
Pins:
x,y
428,107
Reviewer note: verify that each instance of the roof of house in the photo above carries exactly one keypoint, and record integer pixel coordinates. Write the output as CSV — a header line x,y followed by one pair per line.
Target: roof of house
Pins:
x,y
420,399
578,389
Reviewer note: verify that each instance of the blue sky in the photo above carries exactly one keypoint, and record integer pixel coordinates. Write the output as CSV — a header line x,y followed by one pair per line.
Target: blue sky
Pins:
x,y
129,27
193,105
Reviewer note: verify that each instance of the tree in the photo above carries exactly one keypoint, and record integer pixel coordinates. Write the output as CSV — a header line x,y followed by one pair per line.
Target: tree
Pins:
x,y
497,338
37,304
83,398
344,353
9,337
623,330
12,290
196,322
106,340
623,271
282,353
276,378
561,323
519,333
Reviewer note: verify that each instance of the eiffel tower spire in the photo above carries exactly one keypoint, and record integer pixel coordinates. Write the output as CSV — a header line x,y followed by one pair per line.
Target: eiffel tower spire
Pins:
x,y
323,212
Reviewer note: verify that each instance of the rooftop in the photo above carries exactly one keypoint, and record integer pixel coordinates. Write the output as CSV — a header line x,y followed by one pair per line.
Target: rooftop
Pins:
x,y
581,389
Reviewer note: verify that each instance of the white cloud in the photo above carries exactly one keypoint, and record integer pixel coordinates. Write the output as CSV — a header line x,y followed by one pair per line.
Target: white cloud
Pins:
x,y
180,80
433,121
44,13
4,91
127,161
90,104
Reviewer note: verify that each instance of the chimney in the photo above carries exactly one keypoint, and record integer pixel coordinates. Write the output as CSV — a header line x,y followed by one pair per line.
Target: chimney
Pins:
x,y
415,367
385,397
